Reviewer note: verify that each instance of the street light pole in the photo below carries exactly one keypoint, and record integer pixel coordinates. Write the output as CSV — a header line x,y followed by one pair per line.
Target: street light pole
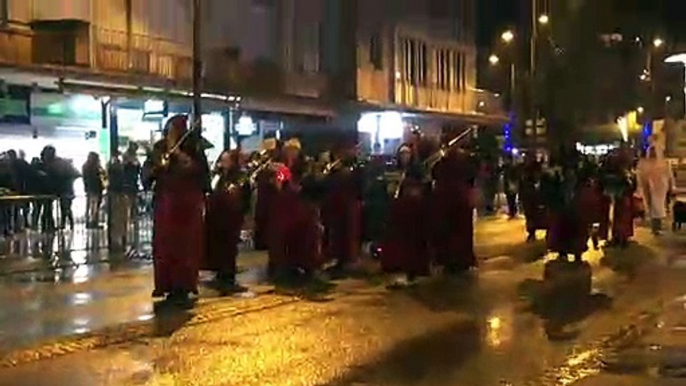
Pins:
x,y
197,63
532,64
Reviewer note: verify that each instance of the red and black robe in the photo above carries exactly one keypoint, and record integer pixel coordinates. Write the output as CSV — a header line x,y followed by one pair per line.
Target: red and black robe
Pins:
x,y
342,215
405,245
452,208
294,232
179,224
226,207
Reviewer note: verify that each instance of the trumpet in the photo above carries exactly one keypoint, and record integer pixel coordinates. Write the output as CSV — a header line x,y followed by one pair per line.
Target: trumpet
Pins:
x,y
332,166
433,159
259,168
166,157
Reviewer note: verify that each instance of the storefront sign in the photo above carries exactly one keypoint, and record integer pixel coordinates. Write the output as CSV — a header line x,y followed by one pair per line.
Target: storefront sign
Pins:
x,y
155,109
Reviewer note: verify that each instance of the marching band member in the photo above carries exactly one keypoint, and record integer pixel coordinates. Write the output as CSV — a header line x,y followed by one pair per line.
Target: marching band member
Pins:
x,y
178,234
620,186
226,209
568,231
294,242
342,208
266,192
453,212
531,196
404,248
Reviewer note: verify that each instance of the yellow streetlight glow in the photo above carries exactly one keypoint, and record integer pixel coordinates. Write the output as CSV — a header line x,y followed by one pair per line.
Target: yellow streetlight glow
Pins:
x,y
640,110
507,36
658,42
493,59
544,19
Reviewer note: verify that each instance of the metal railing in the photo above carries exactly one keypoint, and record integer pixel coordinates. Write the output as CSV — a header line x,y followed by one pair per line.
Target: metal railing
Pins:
x,y
46,225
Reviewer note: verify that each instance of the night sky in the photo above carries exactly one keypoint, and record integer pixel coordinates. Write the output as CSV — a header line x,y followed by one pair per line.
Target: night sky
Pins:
x,y
494,15
497,15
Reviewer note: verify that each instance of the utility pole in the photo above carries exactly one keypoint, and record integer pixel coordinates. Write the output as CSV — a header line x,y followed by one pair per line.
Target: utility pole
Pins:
x,y
532,66
197,64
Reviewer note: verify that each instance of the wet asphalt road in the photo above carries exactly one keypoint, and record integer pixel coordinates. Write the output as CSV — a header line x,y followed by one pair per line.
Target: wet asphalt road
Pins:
x,y
478,330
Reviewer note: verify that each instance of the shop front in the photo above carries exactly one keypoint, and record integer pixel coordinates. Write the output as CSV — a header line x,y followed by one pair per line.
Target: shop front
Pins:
x,y
142,121
70,123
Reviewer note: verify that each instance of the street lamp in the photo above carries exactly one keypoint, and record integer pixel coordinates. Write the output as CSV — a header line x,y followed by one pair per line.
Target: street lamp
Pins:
x,y
658,42
507,36
544,19
679,59
493,59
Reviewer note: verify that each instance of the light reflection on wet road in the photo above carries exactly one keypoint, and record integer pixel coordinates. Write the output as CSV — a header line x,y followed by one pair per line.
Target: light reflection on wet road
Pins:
x,y
478,331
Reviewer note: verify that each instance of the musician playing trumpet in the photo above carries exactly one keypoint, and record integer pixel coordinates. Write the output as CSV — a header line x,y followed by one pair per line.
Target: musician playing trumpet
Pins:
x,y
266,192
405,243
342,207
227,206
294,242
180,178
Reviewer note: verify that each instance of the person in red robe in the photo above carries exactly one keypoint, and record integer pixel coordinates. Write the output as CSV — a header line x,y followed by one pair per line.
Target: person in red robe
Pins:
x,y
405,245
226,209
532,199
266,192
295,236
569,227
342,209
452,206
179,209
620,185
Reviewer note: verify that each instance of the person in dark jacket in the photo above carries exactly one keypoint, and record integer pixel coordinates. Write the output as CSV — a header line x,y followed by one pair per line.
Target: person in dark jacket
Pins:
x,y
61,175
118,211
132,174
94,184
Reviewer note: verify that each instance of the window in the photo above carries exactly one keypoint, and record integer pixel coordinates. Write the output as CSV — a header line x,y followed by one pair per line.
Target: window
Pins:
x,y
376,52
424,65
458,71
415,61
445,72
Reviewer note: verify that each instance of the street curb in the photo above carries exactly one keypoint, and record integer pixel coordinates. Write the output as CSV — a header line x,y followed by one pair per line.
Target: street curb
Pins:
x,y
134,331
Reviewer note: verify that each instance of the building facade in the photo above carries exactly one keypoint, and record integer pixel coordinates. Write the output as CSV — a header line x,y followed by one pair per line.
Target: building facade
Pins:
x,y
306,66
418,59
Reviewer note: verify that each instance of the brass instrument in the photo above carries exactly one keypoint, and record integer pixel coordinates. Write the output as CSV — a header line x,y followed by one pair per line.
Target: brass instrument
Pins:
x,y
259,168
332,166
167,154
433,159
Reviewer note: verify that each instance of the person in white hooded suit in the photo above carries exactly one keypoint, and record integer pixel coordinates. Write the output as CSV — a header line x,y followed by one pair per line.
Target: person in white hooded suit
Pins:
x,y
655,182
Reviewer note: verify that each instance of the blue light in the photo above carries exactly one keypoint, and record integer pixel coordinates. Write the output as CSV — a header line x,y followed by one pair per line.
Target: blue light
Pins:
x,y
507,134
645,135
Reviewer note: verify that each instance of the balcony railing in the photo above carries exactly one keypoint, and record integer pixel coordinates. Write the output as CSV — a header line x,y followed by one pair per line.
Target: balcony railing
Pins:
x,y
119,51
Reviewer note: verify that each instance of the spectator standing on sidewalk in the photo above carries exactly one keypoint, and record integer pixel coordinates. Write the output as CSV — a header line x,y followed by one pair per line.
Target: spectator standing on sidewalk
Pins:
x,y
118,210
94,185
132,174
61,175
